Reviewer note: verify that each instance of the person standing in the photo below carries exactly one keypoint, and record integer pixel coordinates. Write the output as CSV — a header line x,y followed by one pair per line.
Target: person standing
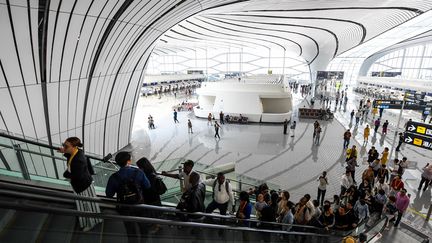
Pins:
x,y
400,142
285,126
79,171
346,182
189,126
183,175
372,155
322,187
193,199
222,194
221,118
426,177
352,114
384,156
209,119
357,117
128,184
293,127
316,124
384,127
346,137
216,126
366,133
381,110
175,116
351,153
374,112
152,195
402,202
317,135
377,124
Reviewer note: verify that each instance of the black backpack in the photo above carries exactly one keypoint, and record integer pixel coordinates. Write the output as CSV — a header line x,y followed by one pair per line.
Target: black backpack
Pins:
x,y
129,192
158,185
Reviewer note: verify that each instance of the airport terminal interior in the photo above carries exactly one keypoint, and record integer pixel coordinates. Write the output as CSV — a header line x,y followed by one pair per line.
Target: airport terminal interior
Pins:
x,y
215,121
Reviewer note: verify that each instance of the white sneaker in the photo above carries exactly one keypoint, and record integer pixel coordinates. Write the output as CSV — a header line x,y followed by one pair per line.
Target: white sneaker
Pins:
x,y
87,228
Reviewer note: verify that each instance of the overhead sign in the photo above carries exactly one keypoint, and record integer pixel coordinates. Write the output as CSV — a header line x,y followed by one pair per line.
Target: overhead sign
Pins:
x,y
397,104
419,128
418,140
388,104
414,96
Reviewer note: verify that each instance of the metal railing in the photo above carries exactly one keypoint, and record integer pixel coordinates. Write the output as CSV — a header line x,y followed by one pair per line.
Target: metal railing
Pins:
x,y
29,192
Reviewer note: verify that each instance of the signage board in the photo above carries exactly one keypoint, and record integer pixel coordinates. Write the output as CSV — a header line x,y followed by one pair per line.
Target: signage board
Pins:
x,y
418,140
419,128
417,105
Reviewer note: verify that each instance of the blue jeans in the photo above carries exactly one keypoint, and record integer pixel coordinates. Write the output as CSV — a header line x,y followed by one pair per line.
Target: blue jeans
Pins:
x,y
346,143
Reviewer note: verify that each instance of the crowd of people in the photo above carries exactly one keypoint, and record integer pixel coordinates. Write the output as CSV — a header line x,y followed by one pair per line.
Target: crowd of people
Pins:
x,y
381,190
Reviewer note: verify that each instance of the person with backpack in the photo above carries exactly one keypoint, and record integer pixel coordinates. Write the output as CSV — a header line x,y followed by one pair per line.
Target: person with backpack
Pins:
x,y
79,171
193,199
128,185
222,194
157,188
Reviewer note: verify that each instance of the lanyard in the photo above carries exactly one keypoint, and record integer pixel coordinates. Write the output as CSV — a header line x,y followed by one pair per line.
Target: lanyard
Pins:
x,y
71,158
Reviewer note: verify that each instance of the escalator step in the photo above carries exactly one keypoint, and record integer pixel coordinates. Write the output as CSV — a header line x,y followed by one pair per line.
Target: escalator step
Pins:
x,y
24,227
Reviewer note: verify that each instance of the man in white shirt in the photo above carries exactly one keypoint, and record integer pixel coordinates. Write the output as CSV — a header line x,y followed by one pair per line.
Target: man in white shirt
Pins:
x,y
346,182
382,185
222,194
187,171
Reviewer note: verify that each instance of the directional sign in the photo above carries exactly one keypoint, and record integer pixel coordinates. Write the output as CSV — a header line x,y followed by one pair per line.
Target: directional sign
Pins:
x,y
388,104
418,140
419,128
414,96
397,104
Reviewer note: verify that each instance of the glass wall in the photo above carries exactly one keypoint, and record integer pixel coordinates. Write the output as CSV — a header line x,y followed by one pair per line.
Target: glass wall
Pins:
x,y
350,67
414,62
223,60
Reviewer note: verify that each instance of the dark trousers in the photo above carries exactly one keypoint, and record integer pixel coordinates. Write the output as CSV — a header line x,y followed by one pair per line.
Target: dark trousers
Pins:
x,y
134,230
321,195
398,147
285,129
424,181
346,143
175,120
343,190
214,205
217,134
399,217
353,175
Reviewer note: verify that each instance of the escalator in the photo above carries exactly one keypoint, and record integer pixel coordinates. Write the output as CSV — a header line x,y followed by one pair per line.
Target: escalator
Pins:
x,y
37,206
31,214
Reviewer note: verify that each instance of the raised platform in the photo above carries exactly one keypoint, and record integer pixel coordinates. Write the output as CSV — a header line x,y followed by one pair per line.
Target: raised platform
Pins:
x,y
258,102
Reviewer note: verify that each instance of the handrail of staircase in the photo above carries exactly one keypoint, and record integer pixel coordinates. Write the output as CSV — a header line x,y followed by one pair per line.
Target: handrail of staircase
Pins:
x,y
13,189
2,134
25,206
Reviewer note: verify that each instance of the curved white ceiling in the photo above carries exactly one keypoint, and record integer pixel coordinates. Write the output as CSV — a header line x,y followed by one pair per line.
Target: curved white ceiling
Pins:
x,y
74,67
315,30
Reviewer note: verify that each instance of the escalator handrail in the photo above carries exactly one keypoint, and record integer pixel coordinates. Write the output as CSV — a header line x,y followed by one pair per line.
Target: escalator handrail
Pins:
x,y
55,194
70,212
379,231
2,134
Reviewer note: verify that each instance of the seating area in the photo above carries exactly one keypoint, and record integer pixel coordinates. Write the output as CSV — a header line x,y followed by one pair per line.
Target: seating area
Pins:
x,y
236,119
311,113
